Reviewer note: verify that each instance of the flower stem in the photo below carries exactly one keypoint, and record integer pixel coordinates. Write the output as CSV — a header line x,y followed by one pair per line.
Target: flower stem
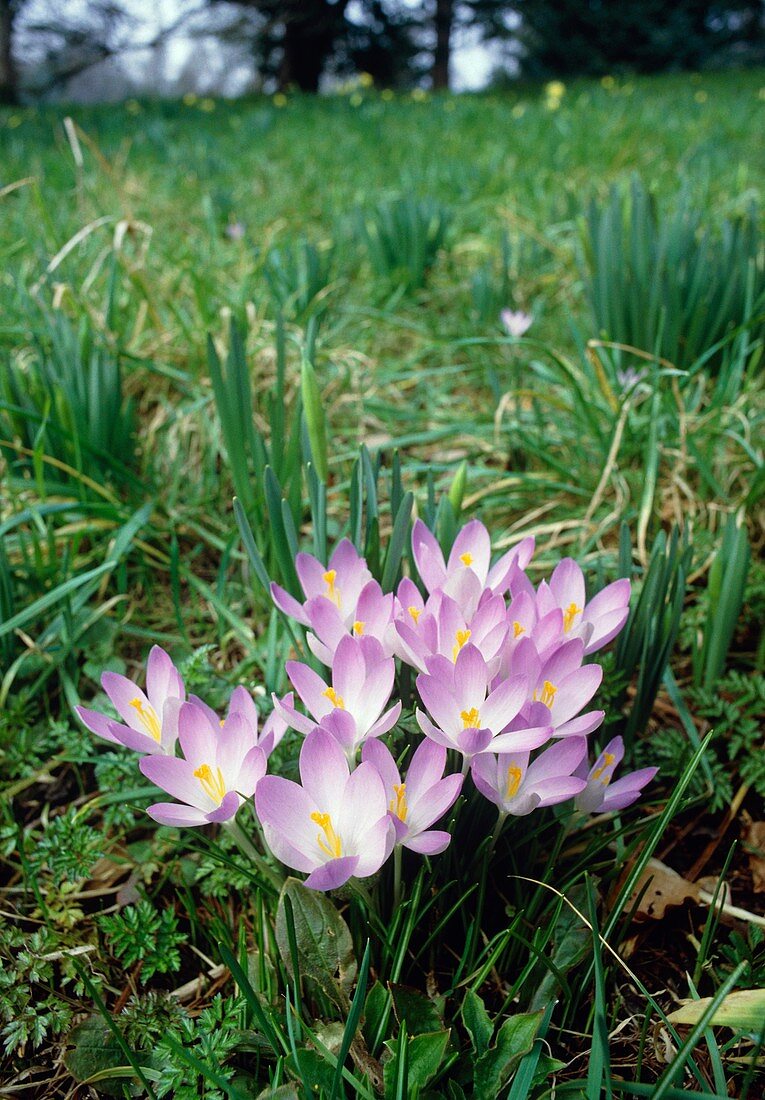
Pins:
x,y
246,846
397,852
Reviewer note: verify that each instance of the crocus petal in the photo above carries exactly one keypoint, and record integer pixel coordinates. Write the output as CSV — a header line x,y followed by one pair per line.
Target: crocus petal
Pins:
x,y
124,693
377,754
552,791
198,738
324,772
331,875
504,703
606,628
581,725
288,604
162,678
97,723
472,548
433,732
252,770
386,723
174,813
132,739
425,769
177,777
560,759
432,804
230,803
379,841
614,597
311,689
284,809
342,726
627,790
522,740
431,843
567,584
428,556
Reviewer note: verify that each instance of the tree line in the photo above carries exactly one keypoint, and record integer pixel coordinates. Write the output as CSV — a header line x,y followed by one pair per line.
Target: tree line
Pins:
x,y
301,44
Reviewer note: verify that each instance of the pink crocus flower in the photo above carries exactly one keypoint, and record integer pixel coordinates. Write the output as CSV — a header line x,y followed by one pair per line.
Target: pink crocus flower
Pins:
x,y
416,803
559,688
518,787
149,719
600,795
373,616
340,581
471,550
598,621
332,825
466,715
351,707
515,322
220,768
242,703
443,630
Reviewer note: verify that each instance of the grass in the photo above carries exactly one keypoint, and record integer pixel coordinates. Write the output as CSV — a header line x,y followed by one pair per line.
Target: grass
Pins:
x,y
161,963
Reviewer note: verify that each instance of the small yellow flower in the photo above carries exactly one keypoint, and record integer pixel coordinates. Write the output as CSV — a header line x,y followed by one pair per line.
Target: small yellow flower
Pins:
x,y
356,100
607,82
556,89
366,80
419,95
207,105
189,99
387,94
519,110
280,100
701,96
14,121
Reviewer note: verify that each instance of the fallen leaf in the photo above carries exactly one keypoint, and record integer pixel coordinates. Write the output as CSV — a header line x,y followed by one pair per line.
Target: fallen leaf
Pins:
x,y
744,1010
660,888
754,845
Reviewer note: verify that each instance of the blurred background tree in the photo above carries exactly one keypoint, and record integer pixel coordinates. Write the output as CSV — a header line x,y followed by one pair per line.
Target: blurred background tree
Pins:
x,y
232,46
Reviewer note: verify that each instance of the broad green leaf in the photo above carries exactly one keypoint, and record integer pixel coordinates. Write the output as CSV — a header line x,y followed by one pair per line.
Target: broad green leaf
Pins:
x,y
324,945
97,1056
416,1009
514,1039
312,1070
425,1054
743,1010
477,1022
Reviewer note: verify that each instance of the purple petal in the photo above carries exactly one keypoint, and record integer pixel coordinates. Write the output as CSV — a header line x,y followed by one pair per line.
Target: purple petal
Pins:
x,y
173,813
97,723
177,777
331,875
230,803
198,738
429,844
379,756
324,772
425,769
567,584
284,809
288,604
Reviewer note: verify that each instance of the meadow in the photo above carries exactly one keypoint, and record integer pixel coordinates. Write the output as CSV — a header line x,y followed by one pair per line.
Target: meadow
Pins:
x,y
297,304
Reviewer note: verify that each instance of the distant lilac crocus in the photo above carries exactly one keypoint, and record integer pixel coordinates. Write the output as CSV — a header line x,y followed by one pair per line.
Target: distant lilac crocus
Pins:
x,y
340,581
219,769
332,825
598,621
600,795
518,787
466,716
373,617
515,322
242,703
421,799
150,718
351,707
471,550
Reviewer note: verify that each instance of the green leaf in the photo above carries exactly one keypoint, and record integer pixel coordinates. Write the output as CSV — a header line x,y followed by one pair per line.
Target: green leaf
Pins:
x,y
420,1013
514,1039
477,1022
315,1072
743,1010
96,1055
424,1055
314,419
324,945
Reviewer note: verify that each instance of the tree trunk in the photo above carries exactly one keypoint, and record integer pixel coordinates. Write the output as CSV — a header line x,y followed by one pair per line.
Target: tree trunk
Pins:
x,y
444,20
9,91
310,33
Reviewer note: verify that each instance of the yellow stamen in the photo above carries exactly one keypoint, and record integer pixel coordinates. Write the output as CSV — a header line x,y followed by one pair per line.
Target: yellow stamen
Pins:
x,y
332,592
466,559
547,697
147,716
518,629
415,612
606,768
470,719
335,699
211,782
569,615
514,776
461,637
358,628
398,804
330,843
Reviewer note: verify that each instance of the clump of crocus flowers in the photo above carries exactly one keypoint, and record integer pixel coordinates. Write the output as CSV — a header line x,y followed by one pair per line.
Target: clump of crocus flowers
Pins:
x,y
503,681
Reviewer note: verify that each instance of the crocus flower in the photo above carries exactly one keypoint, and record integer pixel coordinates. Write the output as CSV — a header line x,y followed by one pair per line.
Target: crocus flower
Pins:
x,y
600,795
340,581
443,630
471,550
596,622
373,616
467,716
242,703
220,767
515,322
424,797
150,718
518,787
333,826
351,708
560,687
